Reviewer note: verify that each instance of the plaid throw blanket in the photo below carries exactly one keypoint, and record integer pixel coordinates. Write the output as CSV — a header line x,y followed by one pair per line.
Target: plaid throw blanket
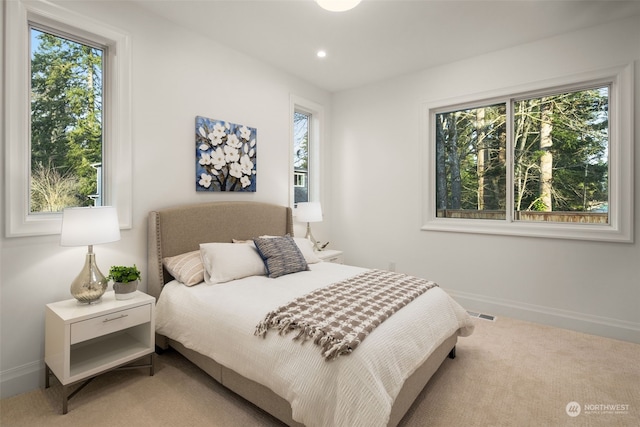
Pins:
x,y
339,316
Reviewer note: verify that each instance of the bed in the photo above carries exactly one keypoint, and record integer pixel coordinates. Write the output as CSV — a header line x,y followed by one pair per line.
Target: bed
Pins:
x,y
214,325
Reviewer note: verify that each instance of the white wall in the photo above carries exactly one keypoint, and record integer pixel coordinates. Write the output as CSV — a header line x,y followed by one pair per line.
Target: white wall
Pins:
x,y
177,75
377,175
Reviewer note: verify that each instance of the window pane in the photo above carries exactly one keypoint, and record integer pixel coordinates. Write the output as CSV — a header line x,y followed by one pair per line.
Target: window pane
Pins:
x,y
470,163
66,123
301,122
561,166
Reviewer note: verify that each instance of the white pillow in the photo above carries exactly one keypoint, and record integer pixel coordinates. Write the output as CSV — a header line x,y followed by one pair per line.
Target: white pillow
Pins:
x,y
224,262
306,247
186,268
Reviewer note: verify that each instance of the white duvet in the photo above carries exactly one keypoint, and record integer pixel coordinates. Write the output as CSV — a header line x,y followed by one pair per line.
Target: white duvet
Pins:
x,y
354,390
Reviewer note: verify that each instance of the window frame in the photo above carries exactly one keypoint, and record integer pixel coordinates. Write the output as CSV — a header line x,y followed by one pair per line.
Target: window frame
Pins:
x,y
621,201
316,112
117,181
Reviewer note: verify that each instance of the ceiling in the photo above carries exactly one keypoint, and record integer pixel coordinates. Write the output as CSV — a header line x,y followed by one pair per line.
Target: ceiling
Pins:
x,y
379,38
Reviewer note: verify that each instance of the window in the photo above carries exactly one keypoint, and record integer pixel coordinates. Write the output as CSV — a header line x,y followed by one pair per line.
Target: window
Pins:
x,y
549,162
300,180
471,162
66,122
306,135
301,123
94,125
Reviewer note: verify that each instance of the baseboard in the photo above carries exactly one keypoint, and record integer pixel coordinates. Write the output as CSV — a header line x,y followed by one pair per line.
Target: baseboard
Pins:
x,y
21,379
581,322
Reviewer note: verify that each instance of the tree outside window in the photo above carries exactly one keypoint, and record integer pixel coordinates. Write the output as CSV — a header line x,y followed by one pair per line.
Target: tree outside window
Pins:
x,y
557,167
66,122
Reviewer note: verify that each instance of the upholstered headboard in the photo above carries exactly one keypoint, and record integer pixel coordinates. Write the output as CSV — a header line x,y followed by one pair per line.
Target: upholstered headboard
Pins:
x,y
176,230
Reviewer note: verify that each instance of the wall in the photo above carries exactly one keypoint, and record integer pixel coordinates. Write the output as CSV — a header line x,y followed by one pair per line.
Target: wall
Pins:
x,y
177,75
587,286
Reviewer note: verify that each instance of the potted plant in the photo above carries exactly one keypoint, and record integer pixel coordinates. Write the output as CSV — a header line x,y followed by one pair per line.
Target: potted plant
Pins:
x,y
125,280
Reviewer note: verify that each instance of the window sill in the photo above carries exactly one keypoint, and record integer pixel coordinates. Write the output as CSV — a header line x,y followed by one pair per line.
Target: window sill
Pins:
x,y
593,232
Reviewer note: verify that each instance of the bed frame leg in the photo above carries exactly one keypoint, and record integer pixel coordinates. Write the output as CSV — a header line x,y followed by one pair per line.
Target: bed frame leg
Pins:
x,y
452,353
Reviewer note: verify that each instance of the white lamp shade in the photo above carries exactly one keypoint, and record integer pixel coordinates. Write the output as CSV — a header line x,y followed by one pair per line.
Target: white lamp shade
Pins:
x,y
309,212
89,226
337,5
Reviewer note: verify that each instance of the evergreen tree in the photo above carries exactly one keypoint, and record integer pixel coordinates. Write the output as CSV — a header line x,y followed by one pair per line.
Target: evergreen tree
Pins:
x,y
66,116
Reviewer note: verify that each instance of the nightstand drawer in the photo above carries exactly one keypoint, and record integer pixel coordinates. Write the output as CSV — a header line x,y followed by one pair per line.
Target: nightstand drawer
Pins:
x,y
116,321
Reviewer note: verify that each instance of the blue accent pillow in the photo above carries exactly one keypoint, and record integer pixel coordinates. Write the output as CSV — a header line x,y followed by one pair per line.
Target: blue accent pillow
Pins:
x,y
280,255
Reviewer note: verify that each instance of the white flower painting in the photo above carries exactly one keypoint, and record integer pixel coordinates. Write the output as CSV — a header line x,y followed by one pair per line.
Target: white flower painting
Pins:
x,y
225,156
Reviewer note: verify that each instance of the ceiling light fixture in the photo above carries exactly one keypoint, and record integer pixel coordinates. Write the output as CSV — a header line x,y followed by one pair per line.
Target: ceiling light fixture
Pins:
x,y
337,5
321,54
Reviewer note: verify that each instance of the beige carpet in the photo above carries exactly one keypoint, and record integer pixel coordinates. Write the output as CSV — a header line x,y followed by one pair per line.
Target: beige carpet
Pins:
x,y
508,373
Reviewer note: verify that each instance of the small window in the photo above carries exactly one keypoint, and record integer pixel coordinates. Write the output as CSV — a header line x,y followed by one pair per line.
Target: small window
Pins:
x,y
551,162
300,179
306,133
301,133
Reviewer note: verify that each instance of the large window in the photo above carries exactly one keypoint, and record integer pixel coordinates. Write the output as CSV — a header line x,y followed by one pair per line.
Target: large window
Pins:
x,y
548,162
67,116
66,99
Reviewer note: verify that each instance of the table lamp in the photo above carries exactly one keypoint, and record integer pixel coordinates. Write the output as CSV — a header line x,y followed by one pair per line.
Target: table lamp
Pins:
x,y
89,226
309,212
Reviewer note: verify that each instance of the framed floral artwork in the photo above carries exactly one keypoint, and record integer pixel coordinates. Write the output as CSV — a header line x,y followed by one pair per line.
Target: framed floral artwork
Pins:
x,y
225,156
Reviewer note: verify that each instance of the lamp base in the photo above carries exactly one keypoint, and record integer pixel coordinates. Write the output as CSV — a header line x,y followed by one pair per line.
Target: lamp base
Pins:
x,y
309,236
90,284
94,302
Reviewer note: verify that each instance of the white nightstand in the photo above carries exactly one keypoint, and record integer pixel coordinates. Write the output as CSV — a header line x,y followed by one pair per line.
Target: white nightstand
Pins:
x,y
83,341
331,255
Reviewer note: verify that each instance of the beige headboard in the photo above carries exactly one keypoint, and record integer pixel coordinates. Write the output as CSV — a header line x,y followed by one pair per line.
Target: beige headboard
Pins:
x,y
180,229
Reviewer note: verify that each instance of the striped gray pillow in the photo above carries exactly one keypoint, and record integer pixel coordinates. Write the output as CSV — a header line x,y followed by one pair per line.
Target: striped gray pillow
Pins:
x,y
281,255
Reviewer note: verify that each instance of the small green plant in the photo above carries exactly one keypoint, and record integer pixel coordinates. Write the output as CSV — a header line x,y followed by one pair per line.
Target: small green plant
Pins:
x,y
123,274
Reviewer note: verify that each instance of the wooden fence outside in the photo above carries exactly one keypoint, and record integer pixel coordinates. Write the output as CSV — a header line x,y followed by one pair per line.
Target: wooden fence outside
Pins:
x,y
558,216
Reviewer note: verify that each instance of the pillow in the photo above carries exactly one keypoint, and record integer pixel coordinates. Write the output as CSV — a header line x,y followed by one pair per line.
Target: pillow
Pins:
x,y
186,268
281,255
304,244
228,261
306,247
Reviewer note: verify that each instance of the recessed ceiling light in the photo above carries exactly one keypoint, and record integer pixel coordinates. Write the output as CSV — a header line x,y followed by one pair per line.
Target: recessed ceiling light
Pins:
x,y
321,54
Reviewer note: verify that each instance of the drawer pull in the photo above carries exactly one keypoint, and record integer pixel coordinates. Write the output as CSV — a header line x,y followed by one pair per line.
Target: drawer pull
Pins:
x,y
115,318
